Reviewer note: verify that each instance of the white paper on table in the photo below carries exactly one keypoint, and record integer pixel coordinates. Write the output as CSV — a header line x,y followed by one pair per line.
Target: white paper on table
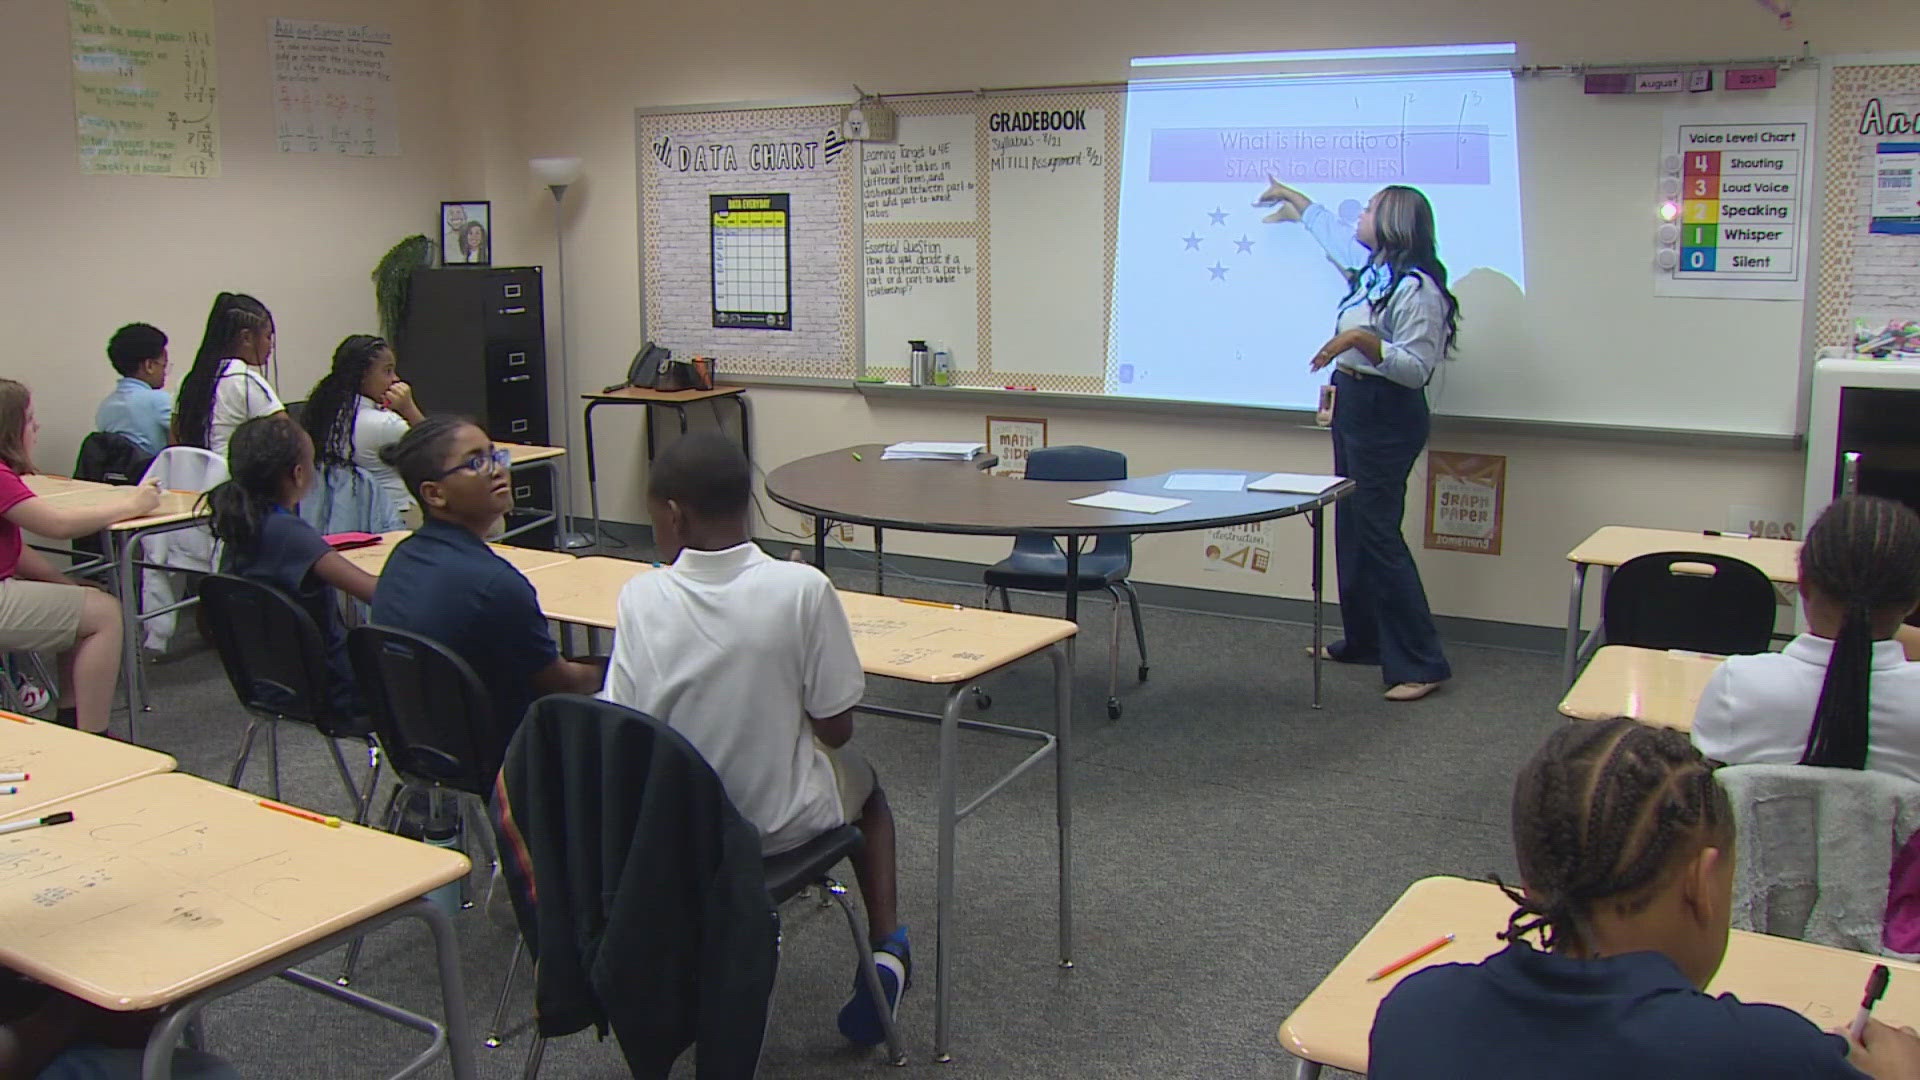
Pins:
x,y
1130,502
1295,483
1199,481
939,449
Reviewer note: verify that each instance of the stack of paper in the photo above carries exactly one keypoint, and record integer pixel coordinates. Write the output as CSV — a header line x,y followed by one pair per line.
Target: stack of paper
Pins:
x,y
1129,501
933,451
1295,483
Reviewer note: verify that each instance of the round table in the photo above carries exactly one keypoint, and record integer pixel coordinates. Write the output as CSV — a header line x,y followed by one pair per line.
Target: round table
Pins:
x,y
854,485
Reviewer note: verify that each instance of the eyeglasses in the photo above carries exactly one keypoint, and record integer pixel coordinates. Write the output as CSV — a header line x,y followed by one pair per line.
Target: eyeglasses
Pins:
x,y
480,463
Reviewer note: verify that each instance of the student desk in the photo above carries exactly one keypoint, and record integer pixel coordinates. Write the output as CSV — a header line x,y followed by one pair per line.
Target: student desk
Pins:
x,y
922,642
65,764
1655,686
373,558
960,497
677,400
170,892
1330,1027
1614,545
528,456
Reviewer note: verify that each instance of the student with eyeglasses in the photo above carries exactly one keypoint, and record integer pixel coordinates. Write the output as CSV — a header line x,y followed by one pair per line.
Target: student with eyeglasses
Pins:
x,y
445,583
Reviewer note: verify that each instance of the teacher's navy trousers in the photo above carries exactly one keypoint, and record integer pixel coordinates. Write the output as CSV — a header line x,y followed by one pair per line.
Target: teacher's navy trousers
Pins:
x,y
1379,428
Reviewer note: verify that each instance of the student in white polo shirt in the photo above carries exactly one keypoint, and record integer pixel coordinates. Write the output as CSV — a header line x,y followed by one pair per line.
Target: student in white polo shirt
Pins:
x,y
752,659
1845,694
225,389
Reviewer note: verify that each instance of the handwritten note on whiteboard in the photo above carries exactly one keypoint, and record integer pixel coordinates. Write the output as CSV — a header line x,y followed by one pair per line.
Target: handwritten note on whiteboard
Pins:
x,y
144,87
333,88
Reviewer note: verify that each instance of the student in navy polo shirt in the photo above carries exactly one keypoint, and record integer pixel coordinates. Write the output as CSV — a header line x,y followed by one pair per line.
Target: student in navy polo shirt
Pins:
x,y
1625,844
444,583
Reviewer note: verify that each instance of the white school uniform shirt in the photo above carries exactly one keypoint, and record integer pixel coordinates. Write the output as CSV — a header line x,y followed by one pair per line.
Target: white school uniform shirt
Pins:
x,y
375,429
239,395
735,650
1758,709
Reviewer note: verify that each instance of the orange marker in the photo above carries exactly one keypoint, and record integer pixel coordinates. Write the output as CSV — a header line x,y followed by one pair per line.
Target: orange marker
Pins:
x,y
930,603
317,819
1420,953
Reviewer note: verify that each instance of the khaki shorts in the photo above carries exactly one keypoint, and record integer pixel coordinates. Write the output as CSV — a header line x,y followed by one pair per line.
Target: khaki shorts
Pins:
x,y
39,616
855,778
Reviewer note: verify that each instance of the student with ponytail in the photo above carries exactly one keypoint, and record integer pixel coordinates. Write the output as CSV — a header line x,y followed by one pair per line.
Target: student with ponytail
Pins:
x,y
1843,695
254,516
359,409
224,389
1625,845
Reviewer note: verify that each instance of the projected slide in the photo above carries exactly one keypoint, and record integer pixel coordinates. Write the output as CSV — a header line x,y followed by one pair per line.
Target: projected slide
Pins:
x,y
1212,304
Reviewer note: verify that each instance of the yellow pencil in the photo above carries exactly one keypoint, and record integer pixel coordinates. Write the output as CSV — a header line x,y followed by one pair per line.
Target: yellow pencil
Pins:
x,y
930,603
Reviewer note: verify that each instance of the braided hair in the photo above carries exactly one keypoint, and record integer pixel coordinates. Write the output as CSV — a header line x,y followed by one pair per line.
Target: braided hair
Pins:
x,y
334,405
1601,815
1863,553
232,315
263,453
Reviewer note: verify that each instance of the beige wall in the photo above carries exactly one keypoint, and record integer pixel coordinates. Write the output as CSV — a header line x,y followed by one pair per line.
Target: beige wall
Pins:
x,y
589,63
84,254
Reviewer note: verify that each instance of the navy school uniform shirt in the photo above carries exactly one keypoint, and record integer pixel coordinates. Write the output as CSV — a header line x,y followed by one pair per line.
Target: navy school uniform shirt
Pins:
x,y
444,583
282,556
1524,1013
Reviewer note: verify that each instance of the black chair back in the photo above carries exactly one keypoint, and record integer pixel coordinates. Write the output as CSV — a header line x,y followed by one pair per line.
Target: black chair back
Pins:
x,y
108,457
1075,463
1652,604
273,653
429,709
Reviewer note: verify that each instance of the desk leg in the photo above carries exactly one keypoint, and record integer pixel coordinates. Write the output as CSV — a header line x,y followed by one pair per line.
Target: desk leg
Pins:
x,y
1319,565
593,472
126,544
820,526
943,928
647,410
879,564
1063,789
1305,1070
681,411
562,504
1575,598
746,444
1073,581
453,991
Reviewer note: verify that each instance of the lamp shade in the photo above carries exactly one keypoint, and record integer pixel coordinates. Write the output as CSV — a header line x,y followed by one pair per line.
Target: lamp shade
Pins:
x,y
555,170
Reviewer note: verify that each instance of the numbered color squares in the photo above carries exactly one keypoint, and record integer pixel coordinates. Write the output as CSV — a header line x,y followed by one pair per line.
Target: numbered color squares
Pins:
x,y
1740,213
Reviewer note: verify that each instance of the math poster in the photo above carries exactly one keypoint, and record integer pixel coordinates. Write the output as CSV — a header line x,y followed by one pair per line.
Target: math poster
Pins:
x,y
1466,500
333,88
1238,549
1743,190
1011,439
145,87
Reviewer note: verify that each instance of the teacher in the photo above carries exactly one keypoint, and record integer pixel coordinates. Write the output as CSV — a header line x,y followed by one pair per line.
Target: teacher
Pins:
x,y
1394,326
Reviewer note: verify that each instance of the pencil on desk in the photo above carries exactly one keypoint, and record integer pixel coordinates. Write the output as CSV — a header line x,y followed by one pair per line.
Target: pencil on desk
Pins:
x,y
16,719
930,603
1420,953
318,819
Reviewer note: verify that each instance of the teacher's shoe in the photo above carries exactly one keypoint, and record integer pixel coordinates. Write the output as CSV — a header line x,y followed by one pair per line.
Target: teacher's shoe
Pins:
x,y
1410,691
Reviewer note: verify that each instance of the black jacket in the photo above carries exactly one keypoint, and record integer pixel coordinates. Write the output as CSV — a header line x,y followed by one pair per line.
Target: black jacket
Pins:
x,y
638,888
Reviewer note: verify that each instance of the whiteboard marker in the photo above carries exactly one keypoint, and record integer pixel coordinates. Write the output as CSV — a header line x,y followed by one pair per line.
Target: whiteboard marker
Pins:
x,y
1876,986
60,818
10,777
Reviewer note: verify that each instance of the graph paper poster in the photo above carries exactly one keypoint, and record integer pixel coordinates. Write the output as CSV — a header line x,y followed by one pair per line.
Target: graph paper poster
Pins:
x,y
144,87
1466,495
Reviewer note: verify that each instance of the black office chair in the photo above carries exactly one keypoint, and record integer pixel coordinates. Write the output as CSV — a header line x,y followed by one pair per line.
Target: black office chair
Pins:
x,y
433,717
788,874
1038,564
276,661
1663,601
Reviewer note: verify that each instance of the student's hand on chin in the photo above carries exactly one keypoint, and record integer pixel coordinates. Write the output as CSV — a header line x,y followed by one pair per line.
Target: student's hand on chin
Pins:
x,y
1885,1052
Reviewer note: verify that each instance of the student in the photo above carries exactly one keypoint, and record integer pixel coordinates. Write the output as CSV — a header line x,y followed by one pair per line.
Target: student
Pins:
x,y
137,407
359,409
254,514
41,609
49,1035
444,583
1625,847
752,659
1845,694
224,389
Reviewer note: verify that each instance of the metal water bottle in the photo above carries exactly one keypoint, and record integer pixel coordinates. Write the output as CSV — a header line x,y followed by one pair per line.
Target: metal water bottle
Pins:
x,y
919,364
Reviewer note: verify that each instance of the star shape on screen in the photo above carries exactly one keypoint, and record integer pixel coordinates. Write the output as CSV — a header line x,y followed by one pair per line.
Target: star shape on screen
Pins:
x,y
1218,216
1219,272
1244,245
1192,242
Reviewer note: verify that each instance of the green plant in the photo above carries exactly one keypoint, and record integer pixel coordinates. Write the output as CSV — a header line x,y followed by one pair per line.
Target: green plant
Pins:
x,y
393,277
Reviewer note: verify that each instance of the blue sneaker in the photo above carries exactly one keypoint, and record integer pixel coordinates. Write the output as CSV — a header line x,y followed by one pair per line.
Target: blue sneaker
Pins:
x,y
860,1016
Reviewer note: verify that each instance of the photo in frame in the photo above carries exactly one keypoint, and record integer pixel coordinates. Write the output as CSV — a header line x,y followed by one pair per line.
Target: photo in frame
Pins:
x,y
466,234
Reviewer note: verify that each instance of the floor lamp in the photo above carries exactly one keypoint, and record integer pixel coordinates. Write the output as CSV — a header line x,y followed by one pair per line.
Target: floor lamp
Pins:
x,y
559,173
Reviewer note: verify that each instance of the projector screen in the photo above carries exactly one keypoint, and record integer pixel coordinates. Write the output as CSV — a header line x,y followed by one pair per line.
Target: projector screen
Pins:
x,y
1213,304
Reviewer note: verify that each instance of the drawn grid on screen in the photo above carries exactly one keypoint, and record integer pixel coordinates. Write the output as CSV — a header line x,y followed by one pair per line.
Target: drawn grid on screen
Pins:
x,y
752,274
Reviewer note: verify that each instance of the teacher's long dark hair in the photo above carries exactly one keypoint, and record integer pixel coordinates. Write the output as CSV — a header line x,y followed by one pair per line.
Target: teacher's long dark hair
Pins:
x,y
1404,242
1863,556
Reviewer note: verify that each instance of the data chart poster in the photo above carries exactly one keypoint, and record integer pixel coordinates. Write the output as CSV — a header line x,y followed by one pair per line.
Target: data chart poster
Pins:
x,y
752,275
1745,188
